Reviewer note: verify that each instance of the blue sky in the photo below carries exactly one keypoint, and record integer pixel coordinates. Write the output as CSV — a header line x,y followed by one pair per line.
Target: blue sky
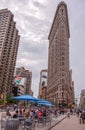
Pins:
x,y
34,19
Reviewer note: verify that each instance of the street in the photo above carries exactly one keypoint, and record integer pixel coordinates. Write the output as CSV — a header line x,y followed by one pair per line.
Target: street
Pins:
x,y
70,124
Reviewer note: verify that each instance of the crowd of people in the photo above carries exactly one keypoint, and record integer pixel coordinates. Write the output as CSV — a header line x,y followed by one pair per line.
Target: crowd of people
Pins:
x,y
29,113
39,112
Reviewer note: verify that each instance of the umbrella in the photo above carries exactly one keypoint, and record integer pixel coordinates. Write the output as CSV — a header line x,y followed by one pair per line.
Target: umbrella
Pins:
x,y
33,99
42,101
26,97
46,104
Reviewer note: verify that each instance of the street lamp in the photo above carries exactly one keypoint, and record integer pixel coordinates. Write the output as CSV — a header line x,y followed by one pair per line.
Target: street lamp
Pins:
x,y
54,99
4,95
76,102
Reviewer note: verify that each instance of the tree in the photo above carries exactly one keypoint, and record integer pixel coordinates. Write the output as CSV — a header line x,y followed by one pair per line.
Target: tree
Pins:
x,y
10,100
1,101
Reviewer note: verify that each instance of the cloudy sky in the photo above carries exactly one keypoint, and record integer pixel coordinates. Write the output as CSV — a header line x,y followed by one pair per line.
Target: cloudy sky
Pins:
x,y
34,19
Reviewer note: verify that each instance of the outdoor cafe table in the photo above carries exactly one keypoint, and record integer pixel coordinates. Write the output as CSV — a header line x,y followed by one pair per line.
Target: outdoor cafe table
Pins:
x,y
28,124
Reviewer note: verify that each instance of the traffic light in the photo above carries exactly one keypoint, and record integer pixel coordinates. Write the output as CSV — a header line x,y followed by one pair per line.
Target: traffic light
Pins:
x,y
14,90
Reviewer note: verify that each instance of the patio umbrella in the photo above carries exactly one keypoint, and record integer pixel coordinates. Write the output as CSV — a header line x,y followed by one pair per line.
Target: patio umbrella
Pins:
x,y
26,97
42,101
46,104
30,98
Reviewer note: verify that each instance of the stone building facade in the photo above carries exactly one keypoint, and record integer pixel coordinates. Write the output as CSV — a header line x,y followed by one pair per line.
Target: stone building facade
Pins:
x,y
26,76
43,84
82,99
9,42
60,87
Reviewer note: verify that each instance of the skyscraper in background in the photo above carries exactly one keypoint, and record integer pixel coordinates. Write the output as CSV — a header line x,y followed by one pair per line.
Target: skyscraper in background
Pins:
x,y
60,87
82,99
9,42
24,78
43,84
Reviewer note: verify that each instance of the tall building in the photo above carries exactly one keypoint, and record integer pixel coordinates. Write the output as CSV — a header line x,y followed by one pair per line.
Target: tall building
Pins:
x,y
26,79
60,88
9,41
82,99
43,84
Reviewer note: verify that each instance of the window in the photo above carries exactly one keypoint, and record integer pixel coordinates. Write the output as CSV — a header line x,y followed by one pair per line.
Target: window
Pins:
x,y
62,58
62,63
62,95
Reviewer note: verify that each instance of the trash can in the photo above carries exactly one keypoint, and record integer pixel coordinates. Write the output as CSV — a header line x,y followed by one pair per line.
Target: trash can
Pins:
x,y
12,124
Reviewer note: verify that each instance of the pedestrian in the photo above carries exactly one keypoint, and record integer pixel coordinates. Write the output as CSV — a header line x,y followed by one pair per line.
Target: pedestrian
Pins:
x,y
15,114
27,114
83,117
8,113
68,113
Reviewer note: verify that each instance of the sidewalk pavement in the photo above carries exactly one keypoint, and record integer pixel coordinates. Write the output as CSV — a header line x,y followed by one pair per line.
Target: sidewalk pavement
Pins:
x,y
71,123
54,122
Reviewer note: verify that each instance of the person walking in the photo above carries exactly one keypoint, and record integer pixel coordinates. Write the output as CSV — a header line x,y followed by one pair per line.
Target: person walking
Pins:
x,y
68,113
83,117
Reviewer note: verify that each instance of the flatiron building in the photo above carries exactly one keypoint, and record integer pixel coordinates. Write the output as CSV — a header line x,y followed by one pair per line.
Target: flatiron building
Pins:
x,y
60,87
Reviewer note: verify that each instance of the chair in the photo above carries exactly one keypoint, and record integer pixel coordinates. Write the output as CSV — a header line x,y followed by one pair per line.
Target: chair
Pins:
x,y
29,125
48,121
22,120
40,121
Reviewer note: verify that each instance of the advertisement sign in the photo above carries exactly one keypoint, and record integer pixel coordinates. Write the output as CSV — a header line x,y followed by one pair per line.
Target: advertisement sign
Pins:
x,y
20,80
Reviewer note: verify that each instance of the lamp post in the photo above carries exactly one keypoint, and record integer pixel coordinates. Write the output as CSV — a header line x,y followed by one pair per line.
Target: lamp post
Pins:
x,y
4,95
76,102
54,99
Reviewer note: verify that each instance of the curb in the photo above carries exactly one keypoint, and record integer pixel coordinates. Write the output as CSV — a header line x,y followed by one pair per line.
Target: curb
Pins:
x,y
56,123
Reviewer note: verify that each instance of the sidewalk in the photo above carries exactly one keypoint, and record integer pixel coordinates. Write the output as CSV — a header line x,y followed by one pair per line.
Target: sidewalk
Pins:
x,y
71,123
54,122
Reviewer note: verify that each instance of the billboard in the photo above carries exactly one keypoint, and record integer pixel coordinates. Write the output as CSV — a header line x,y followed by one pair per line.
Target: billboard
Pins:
x,y
20,80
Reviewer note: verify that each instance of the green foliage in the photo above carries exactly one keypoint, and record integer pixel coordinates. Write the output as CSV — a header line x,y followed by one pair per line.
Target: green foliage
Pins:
x,y
10,100
14,101
1,101
73,103
84,102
